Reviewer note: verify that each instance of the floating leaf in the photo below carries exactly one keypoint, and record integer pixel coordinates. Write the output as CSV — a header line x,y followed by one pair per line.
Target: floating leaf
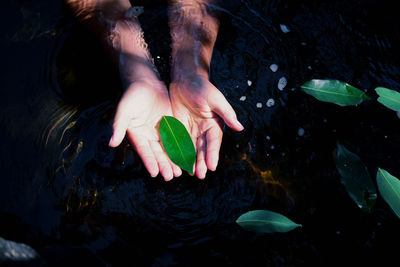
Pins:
x,y
388,98
335,91
265,221
177,143
389,186
355,178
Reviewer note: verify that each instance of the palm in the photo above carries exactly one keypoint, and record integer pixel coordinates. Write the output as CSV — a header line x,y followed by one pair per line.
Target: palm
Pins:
x,y
138,115
206,134
201,107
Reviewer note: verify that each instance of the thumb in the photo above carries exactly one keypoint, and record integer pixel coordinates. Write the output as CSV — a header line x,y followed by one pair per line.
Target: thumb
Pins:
x,y
220,105
120,125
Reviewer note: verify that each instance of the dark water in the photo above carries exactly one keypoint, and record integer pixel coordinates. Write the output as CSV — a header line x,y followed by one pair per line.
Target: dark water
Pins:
x,y
65,193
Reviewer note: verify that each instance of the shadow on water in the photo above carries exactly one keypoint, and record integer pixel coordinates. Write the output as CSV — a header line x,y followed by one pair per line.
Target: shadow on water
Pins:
x,y
68,195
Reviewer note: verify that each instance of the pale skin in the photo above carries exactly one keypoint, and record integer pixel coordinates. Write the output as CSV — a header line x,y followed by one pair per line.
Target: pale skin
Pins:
x,y
198,104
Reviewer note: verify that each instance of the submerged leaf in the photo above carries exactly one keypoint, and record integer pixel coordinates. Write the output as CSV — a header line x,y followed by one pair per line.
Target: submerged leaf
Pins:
x,y
389,186
334,91
177,143
265,221
355,178
388,98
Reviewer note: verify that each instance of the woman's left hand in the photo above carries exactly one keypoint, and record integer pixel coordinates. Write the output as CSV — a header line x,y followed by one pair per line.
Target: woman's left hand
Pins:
x,y
202,108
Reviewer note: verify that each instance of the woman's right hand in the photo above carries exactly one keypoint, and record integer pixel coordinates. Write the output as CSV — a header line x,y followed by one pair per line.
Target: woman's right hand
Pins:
x,y
138,115
143,104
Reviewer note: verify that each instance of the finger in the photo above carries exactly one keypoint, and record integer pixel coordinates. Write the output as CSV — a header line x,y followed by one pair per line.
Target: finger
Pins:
x,y
214,140
145,152
162,160
121,123
201,167
220,105
175,169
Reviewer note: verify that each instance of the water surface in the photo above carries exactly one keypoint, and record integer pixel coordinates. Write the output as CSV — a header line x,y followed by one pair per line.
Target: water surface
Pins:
x,y
67,194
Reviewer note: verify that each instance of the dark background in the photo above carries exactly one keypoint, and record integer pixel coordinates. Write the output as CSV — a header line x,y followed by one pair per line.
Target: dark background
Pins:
x,y
76,201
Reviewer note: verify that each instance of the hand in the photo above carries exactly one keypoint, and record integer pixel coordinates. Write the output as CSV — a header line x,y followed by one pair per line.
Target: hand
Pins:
x,y
138,114
201,107
144,102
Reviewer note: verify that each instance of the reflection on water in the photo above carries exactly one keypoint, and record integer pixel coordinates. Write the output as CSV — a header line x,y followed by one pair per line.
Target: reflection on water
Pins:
x,y
67,194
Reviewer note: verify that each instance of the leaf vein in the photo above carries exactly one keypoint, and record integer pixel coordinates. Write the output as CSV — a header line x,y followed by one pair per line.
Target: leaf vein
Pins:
x,y
270,222
392,99
329,92
176,141
394,190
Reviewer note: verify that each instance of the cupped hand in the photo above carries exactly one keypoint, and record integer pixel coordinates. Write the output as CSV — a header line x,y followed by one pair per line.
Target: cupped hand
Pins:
x,y
138,115
201,107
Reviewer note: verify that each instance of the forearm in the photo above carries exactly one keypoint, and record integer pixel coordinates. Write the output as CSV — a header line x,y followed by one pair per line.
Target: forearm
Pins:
x,y
87,10
95,11
116,24
135,61
194,28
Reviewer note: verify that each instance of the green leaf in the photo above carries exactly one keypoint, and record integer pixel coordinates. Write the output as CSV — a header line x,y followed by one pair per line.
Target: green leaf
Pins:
x,y
388,98
335,91
355,178
389,186
177,143
265,221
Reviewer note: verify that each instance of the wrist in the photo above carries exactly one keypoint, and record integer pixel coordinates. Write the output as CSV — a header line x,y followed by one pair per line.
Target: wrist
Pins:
x,y
137,69
183,74
188,62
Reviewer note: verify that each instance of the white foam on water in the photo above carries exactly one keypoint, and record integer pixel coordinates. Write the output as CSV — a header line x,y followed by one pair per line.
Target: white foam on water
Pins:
x,y
282,83
273,67
300,132
270,102
284,28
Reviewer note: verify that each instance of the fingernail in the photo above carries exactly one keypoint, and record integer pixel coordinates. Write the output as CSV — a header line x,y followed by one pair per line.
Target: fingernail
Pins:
x,y
214,163
111,140
241,126
179,173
